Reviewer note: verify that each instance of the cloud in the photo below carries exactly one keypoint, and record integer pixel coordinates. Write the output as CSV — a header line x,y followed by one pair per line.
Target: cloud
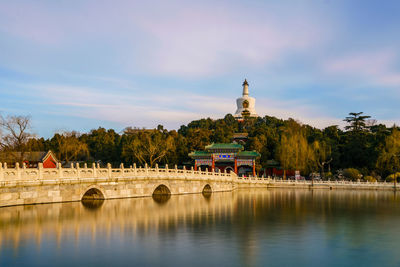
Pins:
x,y
212,40
298,110
139,107
171,108
141,63
368,67
175,39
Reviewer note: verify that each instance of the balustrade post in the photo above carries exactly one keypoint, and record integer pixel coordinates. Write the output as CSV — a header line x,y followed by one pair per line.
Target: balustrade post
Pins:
x,y
1,172
85,165
60,170
146,169
17,169
109,170
94,170
192,169
166,170
134,168
78,170
40,168
121,166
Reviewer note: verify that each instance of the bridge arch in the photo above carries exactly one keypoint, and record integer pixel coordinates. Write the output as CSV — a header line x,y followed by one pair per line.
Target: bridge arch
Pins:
x,y
207,189
93,193
161,190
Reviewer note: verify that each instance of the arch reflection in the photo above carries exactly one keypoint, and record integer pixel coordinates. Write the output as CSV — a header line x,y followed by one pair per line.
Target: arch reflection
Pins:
x,y
161,198
92,204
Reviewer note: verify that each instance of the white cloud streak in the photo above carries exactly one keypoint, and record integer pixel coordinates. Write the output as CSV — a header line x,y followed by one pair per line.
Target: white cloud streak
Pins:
x,y
375,67
147,110
179,39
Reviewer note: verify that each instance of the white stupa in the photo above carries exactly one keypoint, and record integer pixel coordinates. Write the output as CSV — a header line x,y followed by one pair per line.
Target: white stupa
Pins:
x,y
245,104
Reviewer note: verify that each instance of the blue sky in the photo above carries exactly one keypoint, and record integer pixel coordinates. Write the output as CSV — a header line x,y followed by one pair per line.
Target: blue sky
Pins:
x,y
78,65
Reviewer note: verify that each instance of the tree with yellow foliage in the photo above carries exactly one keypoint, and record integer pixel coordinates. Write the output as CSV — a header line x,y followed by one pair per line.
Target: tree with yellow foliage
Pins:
x,y
293,151
322,155
389,158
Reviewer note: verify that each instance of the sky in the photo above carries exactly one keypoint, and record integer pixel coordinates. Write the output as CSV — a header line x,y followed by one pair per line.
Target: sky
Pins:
x,y
79,65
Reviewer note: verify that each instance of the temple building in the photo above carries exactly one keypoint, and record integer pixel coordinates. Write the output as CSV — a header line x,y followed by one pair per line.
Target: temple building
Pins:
x,y
226,157
245,104
231,156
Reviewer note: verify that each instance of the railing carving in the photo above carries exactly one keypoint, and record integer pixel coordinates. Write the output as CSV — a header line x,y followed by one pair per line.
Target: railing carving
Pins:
x,y
36,176
75,172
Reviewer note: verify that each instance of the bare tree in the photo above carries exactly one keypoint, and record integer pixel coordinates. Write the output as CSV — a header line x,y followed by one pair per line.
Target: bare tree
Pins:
x,y
148,146
15,135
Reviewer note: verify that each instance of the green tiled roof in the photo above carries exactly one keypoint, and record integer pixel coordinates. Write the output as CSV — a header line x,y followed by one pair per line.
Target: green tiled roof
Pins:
x,y
224,146
199,154
248,154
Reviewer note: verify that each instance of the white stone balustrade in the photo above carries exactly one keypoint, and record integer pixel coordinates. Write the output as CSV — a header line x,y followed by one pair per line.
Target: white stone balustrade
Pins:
x,y
18,174
34,176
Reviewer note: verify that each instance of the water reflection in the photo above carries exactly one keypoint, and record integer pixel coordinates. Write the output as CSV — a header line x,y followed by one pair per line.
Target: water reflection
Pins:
x,y
206,195
161,198
244,227
92,204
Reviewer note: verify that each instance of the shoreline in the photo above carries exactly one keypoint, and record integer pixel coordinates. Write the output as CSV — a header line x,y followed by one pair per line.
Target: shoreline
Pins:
x,y
305,184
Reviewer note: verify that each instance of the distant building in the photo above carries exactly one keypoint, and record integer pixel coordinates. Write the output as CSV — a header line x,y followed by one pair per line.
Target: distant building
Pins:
x,y
31,159
273,168
245,104
240,138
226,157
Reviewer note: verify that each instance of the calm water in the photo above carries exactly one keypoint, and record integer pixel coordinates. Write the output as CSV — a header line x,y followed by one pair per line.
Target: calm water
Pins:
x,y
242,228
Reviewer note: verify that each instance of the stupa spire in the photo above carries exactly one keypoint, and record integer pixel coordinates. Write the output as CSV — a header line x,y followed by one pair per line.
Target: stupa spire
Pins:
x,y
245,87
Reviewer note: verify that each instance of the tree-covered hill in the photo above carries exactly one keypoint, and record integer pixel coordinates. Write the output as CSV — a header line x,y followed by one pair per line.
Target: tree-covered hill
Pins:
x,y
371,148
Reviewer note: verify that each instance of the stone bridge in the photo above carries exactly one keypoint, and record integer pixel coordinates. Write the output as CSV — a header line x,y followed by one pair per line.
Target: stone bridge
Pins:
x,y
19,186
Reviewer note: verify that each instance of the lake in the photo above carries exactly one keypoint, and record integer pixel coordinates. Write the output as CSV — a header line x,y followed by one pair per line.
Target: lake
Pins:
x,y
255,227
